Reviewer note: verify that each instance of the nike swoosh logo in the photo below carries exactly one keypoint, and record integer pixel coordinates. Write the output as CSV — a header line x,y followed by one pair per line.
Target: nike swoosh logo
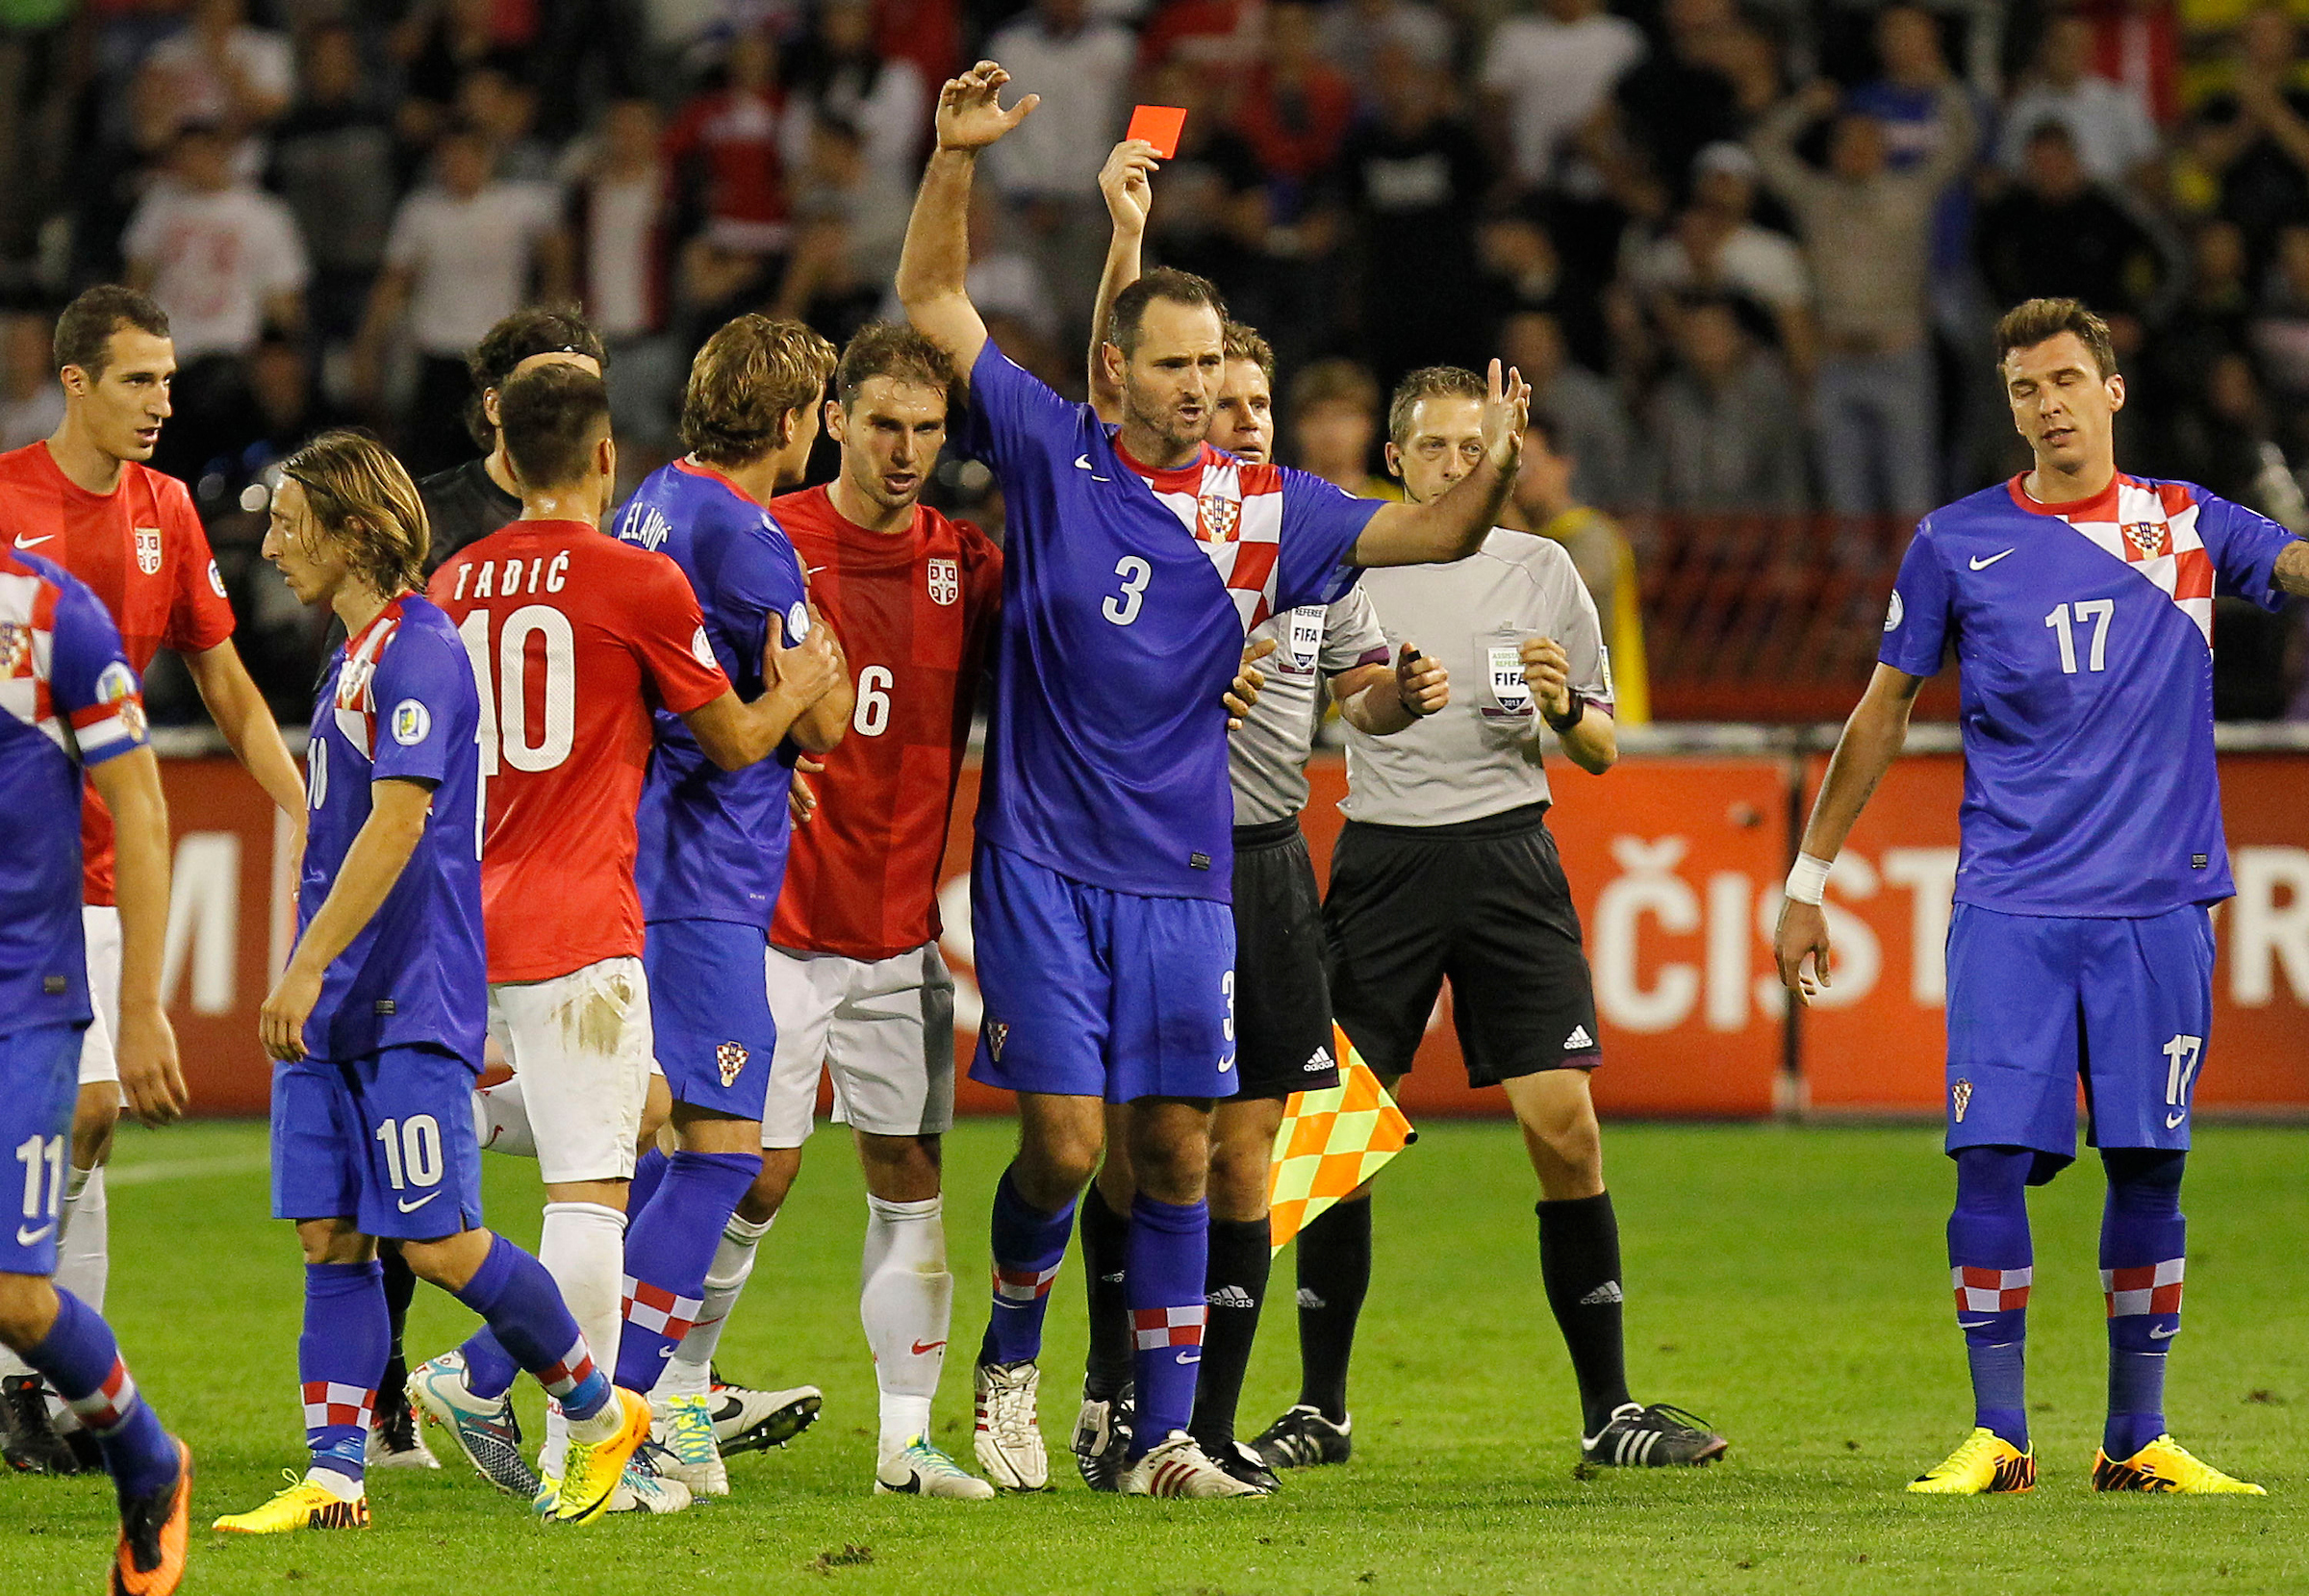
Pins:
x,y
665,1352
1983,565
2158,1332
2172,1122
33,543
408,1207
1190,1356
1083,462
1226,1064
921,1346
25,1239
1976,1324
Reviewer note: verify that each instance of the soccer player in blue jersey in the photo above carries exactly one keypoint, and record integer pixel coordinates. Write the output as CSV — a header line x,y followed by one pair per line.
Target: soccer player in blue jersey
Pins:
x,y
376,1025
1136,558
712,842
2078,604
70,702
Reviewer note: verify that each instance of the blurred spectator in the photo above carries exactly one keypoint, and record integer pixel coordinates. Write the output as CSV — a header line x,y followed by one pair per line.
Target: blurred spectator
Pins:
x,y
1211,207
1219,38
1547,502
2280,337
333,162
726,150
1713,248
37,72
224,262
1865,227
1334,423
464,252
2254,137
2137,43
1544,75
32,401
1295,107
852,225
285,408
2059,233
835,72
503,108
2215,309
1352,32
1522,271
2115,139
1724,427
2218,436
220,70
622,208
1414,178
1678,101
1587,419
437,42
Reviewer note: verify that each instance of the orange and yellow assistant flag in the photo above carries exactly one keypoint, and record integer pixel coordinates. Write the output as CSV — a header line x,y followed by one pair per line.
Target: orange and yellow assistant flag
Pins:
x,y
1331,1142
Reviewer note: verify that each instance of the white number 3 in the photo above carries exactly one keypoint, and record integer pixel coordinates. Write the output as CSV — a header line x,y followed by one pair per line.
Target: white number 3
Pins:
x,y
1122,608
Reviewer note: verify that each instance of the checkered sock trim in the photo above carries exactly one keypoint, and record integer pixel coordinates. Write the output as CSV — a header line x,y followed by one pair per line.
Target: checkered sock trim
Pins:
x,y
1021,1286
575,1368
2143,1288
1991,1290
653,1307
1168,1326
107,1409
331,1404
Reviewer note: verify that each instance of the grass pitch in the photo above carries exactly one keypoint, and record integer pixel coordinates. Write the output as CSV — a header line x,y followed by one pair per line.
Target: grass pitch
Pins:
x,y
1789,1284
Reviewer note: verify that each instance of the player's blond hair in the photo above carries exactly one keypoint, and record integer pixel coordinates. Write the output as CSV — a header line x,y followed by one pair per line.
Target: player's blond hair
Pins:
x,y
2032,322
752,374
363,498
1242,342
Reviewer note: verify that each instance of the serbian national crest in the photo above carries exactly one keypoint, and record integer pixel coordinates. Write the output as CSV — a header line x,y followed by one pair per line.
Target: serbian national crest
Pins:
x,y
148,550
1218,519
945,581
732,1057
2148,537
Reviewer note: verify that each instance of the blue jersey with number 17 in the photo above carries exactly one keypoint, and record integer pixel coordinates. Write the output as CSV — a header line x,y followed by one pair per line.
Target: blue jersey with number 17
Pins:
x,y
1126,593
2083,634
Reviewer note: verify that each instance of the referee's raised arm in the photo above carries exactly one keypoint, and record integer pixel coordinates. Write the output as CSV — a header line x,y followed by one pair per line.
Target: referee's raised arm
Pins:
x,y
935,265
1453,526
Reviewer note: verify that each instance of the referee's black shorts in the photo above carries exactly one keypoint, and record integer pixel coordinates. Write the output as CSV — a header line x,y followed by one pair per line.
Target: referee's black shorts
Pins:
x,y
1484,902
1282,1001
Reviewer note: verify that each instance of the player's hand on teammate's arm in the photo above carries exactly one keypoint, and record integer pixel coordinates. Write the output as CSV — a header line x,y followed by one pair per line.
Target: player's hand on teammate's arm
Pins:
x,y
1802,934
970,109
1547,672
1124,184
801,799
281,1021
1242,693
150,1077
806,673
1420,681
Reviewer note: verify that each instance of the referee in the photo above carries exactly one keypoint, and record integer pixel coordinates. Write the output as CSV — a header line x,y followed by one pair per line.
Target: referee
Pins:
x,y
1446,869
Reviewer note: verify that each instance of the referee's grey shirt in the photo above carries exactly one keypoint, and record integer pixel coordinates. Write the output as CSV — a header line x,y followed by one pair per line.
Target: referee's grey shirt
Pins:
x,y
1266,755
1479,754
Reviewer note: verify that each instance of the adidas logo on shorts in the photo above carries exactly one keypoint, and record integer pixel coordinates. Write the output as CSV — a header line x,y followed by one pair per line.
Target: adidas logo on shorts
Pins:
x,y
1603,1296
1231,1295
1578,1039
1317,1062
1308,1298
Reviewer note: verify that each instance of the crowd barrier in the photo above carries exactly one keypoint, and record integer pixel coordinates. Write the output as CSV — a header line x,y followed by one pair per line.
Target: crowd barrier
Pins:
x,y
1676,859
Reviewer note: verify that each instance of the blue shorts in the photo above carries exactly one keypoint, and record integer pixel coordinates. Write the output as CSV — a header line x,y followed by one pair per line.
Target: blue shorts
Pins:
x,y
40,1080
709,1006
385,1141
1091,993
2036,1003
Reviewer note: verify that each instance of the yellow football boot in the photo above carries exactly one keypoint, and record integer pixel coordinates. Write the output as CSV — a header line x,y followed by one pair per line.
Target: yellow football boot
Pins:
x,y
1985,1465
303,1505
2165,1465
592,1469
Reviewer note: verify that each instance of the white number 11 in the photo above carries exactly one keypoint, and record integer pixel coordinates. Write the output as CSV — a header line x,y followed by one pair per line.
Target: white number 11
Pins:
x,y
2098,611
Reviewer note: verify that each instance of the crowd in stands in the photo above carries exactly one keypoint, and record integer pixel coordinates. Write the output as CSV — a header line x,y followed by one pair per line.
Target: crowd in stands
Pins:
x,y
1747,251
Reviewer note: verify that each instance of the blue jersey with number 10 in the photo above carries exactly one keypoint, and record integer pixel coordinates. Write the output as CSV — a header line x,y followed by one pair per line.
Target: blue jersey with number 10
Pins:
x,y
2084,637
1126,593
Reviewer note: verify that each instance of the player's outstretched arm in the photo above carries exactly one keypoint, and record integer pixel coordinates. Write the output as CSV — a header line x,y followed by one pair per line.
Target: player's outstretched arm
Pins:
x,y
239,709
399,808
935,265
735,734
1123,183
130,785
1873,739
1381,701
1454,527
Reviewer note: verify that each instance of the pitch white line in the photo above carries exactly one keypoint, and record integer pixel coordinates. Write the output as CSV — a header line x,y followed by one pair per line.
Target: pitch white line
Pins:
x,y
184,1169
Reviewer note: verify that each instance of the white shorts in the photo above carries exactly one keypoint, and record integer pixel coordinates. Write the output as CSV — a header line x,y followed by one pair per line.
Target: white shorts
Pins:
x,y
883,1029
100,926
581,1045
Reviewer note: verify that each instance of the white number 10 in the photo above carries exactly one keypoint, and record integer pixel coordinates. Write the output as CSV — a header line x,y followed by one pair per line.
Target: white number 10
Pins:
x,y
2096,610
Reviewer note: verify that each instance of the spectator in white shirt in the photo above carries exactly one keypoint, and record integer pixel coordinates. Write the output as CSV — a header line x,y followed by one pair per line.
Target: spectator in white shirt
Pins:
x,y
621,203
1544,76
464,253
32,402
1713,248
221,70
2113,137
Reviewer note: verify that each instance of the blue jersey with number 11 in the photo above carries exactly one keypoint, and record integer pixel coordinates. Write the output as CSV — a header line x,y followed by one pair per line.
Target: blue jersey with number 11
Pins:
x,y
2084,637
1126,593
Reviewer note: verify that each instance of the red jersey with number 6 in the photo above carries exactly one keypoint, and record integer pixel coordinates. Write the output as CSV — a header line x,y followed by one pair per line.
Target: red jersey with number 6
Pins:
x,y
915,611
574,638
142,550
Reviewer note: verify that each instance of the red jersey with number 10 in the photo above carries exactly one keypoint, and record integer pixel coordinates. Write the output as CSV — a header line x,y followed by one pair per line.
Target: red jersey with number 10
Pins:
x,y
574,638
915,611
142,550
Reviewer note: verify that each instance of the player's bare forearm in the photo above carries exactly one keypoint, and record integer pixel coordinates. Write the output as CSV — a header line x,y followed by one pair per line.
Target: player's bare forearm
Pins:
x,y
1592,742
381,851
1122,270
1450,529
934,265
1872,740
130,787
2293,567
1368,700
820,728
235,705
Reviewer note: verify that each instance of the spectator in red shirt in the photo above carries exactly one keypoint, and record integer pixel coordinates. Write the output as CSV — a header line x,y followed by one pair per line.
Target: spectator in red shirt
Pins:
x,y
725,146
1295,107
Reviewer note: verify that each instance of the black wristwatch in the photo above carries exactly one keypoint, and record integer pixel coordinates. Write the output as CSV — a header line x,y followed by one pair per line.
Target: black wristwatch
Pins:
x,y
1570,718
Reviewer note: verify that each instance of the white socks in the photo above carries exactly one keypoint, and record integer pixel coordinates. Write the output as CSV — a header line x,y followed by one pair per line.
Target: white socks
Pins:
x,y
906,1300
84,1262
501,1120
690,1372
583,1248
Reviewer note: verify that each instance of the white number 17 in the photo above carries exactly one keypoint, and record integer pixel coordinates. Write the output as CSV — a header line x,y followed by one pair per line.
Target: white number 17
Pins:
x,y
2096,610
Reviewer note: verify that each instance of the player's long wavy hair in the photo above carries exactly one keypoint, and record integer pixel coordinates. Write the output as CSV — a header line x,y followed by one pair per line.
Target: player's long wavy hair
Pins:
x,y
751,375
362,497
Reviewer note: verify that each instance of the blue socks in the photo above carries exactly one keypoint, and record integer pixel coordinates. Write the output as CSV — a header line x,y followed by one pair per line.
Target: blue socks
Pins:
x,y
1169,1253
1990,1265
1029,1246
528,1324
669,1247
2143,1244
82,1360
340,1358
647,1172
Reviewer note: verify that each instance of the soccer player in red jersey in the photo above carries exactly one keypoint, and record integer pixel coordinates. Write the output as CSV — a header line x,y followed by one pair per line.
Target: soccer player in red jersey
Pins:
x,y
574,636
85,498
856,983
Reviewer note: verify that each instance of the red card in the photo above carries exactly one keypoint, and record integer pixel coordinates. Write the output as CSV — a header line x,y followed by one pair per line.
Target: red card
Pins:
x,y
1158,125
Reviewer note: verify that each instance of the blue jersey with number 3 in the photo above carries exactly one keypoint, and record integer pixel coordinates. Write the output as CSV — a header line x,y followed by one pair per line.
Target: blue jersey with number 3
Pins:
x,y
1126,593
398,704
2084,637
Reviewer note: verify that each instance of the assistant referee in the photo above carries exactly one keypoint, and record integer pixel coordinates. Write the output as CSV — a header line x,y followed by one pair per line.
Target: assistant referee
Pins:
x,y
1446,869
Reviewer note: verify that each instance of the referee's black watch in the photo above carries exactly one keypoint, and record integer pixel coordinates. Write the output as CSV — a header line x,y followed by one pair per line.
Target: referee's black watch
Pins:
x,y
1570,718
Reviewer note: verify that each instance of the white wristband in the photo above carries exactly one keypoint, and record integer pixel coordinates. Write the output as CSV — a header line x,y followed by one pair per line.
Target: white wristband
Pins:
x,y
1806,878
